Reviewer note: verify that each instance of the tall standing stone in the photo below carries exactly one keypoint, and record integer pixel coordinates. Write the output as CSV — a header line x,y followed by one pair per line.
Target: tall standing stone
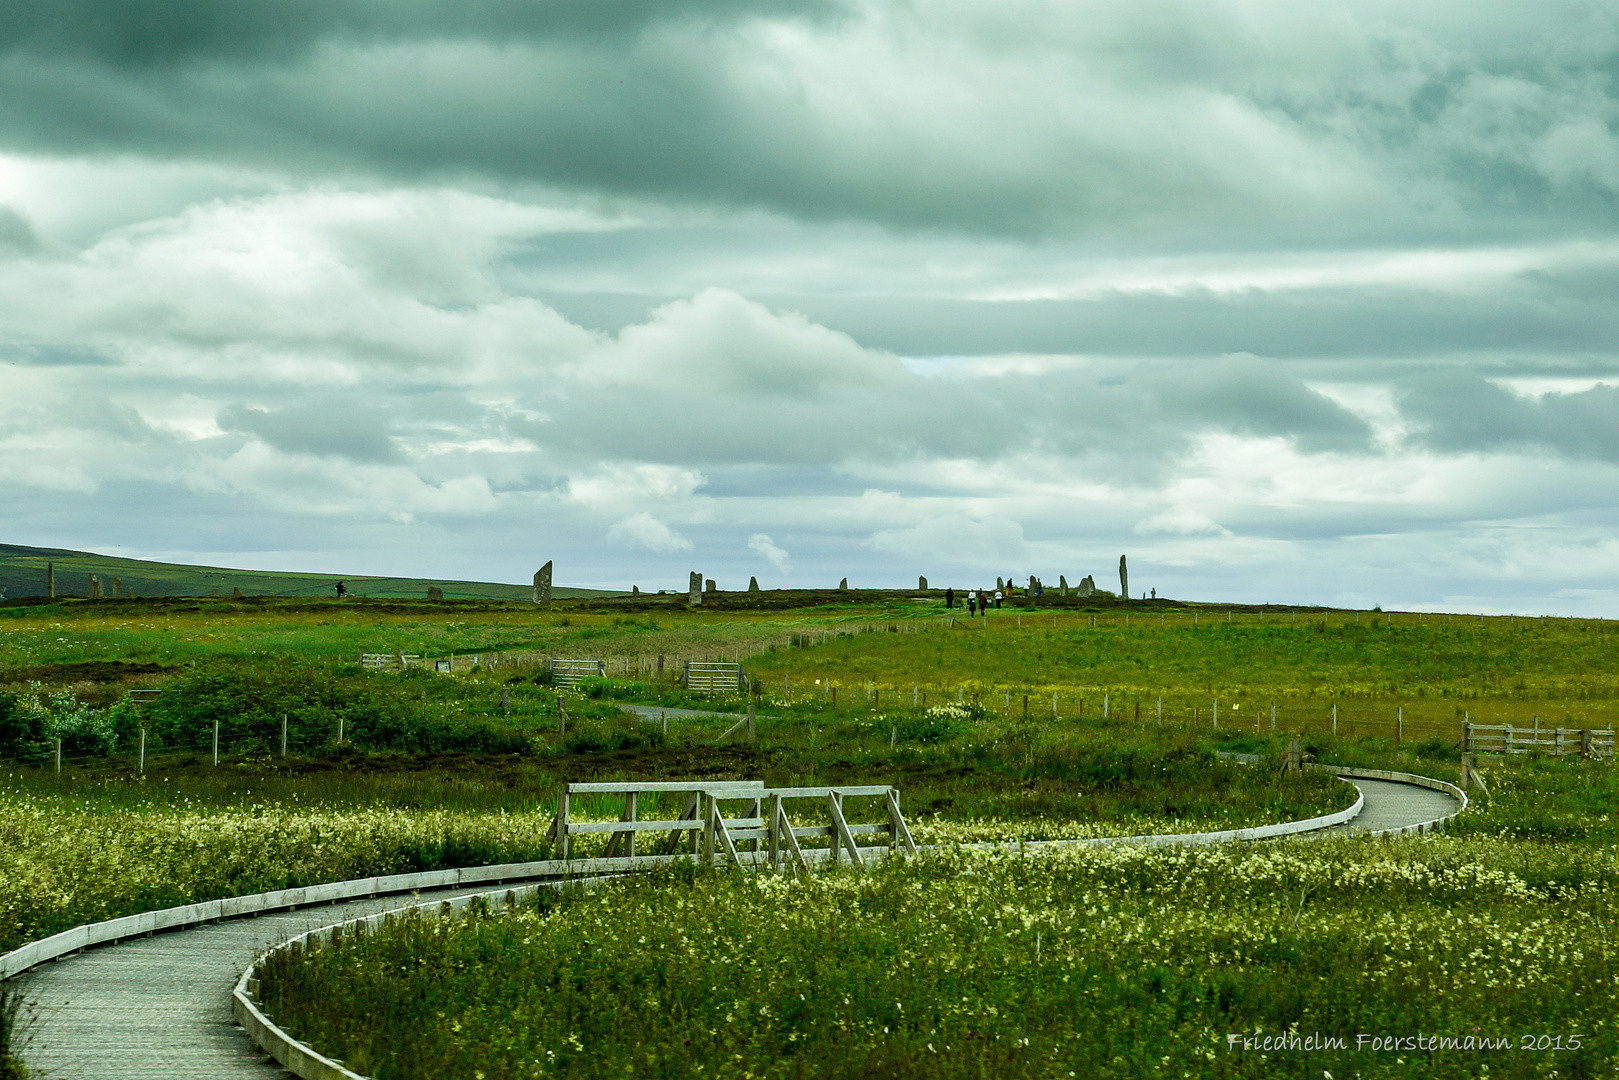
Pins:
x,y
635,590
50,580
753,584
844,584
711,585
118,586
94,590
1087,586
1124,579
695,597
542,584
1062,583
999,584
922,584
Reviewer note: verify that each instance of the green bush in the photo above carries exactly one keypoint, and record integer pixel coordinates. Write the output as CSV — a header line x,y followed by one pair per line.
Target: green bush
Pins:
x,y
249,700
21,731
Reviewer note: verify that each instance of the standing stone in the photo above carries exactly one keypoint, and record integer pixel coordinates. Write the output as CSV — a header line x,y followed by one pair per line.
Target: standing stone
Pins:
x,y
753,584
922,584
1087,586
1124,579
696,591
50,580
542,584
236,594
94,590
1062,583
844,584
999,584
435,593
118,586
635,590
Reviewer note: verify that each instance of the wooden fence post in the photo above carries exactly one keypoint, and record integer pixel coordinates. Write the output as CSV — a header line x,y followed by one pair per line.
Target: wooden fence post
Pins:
x,y
563,807
283,734
752,731
58,755
143,750
1104,704
1399,725
1216,714
1335,718
1054,701
1273,716
1585,743
1025,706
1467,733
773,830
216,744
1160,710
1295,756
562,716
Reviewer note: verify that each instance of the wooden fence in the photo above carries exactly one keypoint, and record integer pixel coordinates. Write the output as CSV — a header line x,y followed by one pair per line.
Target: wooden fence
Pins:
x,y
703,827
567,673
1557,742
709,677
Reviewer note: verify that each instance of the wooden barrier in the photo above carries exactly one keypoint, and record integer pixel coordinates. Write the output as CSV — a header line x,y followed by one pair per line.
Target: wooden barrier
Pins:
x,y
711,677
567,673
1556,742
705,828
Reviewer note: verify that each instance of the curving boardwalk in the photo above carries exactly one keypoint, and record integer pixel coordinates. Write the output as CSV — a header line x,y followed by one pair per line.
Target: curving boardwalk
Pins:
x,y
158,1008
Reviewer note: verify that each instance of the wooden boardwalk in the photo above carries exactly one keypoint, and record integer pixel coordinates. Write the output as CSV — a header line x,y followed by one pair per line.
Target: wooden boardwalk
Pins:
x,y
158,1008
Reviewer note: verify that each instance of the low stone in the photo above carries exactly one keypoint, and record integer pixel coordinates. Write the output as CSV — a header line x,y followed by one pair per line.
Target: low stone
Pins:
x,y
435,593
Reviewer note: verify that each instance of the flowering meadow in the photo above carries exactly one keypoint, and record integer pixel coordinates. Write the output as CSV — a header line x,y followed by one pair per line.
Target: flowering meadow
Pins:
x,y
1432,957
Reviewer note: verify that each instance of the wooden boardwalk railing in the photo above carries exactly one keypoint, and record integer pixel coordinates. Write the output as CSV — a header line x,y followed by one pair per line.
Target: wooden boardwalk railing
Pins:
x,y
706,829
1557,742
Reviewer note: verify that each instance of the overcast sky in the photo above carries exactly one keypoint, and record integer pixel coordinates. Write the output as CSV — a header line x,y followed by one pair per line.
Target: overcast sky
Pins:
x,y
1291,303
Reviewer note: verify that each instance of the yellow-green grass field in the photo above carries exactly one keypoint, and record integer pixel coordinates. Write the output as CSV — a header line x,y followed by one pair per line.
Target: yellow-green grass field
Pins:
x,y
441,770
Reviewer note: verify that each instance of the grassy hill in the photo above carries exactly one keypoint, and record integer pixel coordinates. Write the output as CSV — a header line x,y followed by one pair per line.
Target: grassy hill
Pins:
x,y
23,574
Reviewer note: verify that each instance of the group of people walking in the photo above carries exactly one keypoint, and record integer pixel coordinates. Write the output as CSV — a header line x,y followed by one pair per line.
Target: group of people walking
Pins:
x,y
977,600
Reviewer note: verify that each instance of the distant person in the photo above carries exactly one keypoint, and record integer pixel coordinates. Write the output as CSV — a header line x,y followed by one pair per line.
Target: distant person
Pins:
x,y
1155,593
997,599
972,605
950,598
342,590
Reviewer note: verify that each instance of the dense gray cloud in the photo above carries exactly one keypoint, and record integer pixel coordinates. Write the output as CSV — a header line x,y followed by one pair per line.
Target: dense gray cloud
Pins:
x,y
139,35
1309,304
1350,122
1460,410
333,426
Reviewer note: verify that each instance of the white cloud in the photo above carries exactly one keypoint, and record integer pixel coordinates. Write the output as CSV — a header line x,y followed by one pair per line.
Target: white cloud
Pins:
x,y
761,544
645,531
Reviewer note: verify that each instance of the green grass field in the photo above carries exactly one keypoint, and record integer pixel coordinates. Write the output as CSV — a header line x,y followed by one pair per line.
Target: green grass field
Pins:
x,y
1146,961
24,572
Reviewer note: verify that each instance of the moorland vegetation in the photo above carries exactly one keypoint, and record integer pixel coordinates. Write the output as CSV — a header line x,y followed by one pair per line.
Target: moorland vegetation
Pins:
x,y
1144,961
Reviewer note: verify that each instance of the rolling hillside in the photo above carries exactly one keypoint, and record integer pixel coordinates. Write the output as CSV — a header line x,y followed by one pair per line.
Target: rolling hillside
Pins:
x,y
23,574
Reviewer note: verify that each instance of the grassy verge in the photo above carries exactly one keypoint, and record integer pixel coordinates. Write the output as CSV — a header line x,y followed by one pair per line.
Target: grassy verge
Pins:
x,y
1095,963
